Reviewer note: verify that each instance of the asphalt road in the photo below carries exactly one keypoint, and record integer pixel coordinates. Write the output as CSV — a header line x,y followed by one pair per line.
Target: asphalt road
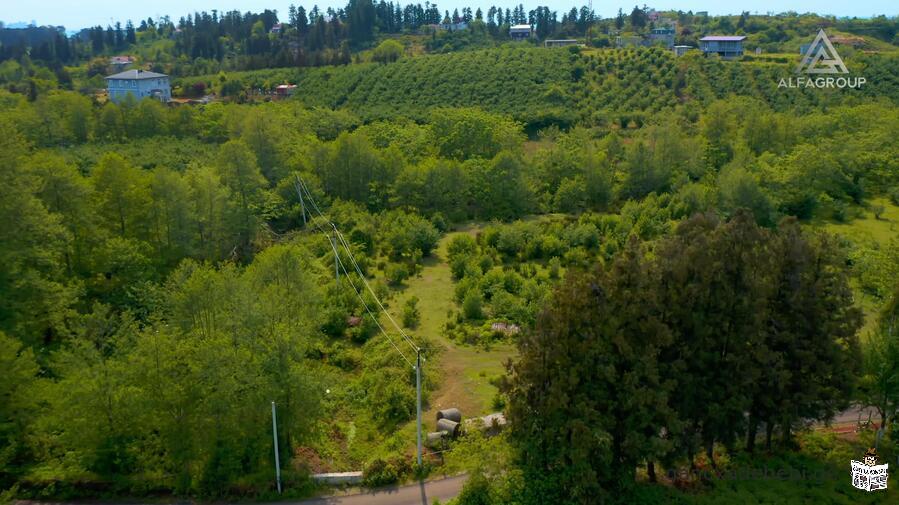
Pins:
x,y
422,493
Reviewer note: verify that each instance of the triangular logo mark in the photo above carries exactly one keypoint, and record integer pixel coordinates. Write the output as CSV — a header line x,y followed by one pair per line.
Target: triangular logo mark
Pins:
x,y
821,58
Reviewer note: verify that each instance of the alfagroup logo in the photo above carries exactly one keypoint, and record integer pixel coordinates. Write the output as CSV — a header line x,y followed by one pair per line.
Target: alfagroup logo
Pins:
x,y
820,66
821,58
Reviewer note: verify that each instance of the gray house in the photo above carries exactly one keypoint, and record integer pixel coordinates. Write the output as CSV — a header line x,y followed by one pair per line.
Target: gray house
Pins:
x,y
139,83
662,36
726,46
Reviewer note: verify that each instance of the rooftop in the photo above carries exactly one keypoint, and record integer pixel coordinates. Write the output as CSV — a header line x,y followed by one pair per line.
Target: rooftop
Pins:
x,y
136,74
723,38
520,27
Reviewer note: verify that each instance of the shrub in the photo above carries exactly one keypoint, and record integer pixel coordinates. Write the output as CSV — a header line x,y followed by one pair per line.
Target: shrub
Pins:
x,y
472,305
461,245
411,315
396,273
554,266
388,51
476,491
379,473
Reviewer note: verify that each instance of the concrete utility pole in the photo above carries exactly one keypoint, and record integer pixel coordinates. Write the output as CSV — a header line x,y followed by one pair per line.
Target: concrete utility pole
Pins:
x,y
275,437
418,398
336,257
302,203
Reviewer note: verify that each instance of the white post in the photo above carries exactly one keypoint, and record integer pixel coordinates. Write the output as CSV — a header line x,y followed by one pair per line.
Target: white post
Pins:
x,y
275,437
336,257
418,398
296,185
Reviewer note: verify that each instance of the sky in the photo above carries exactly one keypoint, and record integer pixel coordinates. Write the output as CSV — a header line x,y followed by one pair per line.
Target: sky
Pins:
x,y
76,14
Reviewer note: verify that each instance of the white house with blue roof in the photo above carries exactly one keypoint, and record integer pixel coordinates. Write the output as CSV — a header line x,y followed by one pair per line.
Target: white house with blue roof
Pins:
x,y
140,83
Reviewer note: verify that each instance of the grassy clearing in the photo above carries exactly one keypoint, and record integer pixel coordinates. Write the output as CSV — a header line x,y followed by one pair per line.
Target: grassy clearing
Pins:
x,y
465,372
866,228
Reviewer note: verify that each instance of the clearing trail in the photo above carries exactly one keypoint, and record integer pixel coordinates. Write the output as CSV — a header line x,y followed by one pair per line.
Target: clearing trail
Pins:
x,y
465,371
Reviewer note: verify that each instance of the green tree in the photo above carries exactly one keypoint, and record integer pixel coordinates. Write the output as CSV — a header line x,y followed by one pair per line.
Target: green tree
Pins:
x,y
351,167
879,385
35,298
387,51
121,195
237,168
606,330
739,189
465,133
171,215
16,399
67,193
810,355
498,187
411,314
715,281
260,133
472,305
406,234
215,214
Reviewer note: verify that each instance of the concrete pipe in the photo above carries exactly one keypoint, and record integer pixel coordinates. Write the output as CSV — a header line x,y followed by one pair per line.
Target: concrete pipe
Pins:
x,y
451,414
452,428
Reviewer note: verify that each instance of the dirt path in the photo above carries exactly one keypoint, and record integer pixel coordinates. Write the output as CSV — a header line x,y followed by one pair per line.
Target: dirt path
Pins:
x,y
465,371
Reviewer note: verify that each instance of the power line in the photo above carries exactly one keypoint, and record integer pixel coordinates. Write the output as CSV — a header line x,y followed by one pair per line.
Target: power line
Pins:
x,y
349,251
359,295
367,285
418,358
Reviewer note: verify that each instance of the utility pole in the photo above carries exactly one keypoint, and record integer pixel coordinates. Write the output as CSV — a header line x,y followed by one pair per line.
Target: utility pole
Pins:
x,y
336,257
418,398
275,437
300,193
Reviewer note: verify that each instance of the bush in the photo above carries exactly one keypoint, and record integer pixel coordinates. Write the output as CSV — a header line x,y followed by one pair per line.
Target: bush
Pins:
x,y
472,305
894,196
379,473
411,315
388,51
554,266
476,491
396,273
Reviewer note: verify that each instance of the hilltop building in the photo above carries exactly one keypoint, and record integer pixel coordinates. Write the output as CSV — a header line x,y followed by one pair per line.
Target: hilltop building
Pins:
x,y
727,47
520,32
452,27
120,63
682,50
561,43
285,90
139,83
662,36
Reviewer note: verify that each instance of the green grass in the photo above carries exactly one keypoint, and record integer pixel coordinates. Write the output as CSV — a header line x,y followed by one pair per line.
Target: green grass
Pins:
x,y
866,229
867,226
465,372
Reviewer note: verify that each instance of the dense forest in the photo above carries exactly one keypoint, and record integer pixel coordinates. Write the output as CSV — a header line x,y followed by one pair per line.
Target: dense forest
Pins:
x,y
701,269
